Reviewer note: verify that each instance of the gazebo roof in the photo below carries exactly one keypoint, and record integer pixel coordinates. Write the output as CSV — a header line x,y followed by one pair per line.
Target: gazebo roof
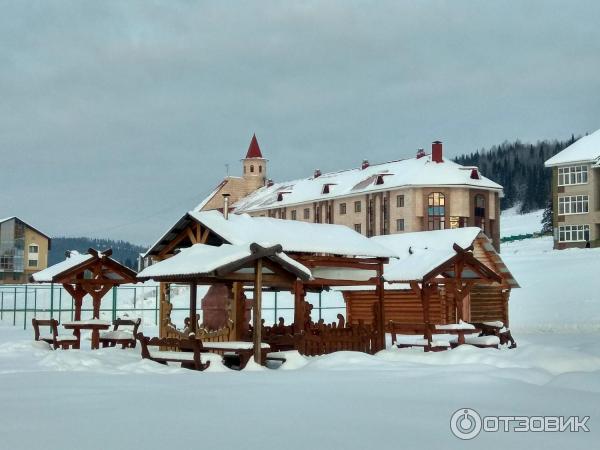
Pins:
x,y
294,236
76,264
215,262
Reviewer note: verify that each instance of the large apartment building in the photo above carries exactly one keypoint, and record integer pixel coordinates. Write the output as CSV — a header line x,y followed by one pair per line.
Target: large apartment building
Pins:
x,y
23,251
425,192
576,193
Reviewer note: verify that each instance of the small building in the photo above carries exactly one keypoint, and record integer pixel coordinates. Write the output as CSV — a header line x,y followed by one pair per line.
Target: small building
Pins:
x,y
23,250
576,193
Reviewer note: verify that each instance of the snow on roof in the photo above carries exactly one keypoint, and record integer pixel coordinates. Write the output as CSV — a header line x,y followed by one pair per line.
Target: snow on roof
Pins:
x,y
420,252
292,235
32,227
208,198
395,174
200,259
585,149
74,260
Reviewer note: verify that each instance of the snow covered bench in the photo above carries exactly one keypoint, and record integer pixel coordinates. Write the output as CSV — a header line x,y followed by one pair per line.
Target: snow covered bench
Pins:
x,y
407,335
497,328
187,352
124,338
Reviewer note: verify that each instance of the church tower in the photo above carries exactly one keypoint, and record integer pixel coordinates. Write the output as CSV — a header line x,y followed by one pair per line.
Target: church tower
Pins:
x,y
255,167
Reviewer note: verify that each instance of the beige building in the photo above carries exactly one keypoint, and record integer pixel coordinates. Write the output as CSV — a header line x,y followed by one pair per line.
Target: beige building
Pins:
x,y
426,192
23,251
576,194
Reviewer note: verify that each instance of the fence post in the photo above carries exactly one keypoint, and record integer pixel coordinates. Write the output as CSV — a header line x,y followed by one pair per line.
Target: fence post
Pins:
x,y
51,300
114,303
15,308
320,306
156,305
25,310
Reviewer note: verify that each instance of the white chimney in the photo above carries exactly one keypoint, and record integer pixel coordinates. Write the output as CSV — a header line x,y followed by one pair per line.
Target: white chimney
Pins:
x,y
226,206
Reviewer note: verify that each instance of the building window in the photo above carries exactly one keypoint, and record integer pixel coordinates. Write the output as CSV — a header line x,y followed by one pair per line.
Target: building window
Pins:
x,y
293,214
458,222
400,201
259,169
251,169
479,212
400,225
357,206
33,248
342,208
574,204
572,175
436,211
574,233
357,228
306,213
32,263
282,214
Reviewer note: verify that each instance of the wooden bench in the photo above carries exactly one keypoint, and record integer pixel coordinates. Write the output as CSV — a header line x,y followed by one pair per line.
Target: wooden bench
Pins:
x,y
124,338
63,341
188,351
497,329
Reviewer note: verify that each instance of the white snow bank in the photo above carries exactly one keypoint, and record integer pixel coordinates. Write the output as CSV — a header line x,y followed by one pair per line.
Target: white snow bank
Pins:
x,y
512,223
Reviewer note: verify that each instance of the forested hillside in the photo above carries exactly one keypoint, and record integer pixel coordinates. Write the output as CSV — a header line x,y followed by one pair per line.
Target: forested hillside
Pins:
x,y
124,252
519,167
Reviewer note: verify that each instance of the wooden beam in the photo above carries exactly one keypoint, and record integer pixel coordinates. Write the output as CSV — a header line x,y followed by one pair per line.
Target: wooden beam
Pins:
x,y
193,307
192,236
257,338
299,318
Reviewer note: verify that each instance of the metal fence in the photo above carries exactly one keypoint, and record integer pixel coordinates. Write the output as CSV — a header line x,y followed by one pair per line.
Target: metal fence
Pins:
x,y
20,303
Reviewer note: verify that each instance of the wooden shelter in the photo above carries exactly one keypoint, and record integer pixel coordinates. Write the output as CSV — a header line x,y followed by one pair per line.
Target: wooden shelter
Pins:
x,y
334,255
440,277
93,274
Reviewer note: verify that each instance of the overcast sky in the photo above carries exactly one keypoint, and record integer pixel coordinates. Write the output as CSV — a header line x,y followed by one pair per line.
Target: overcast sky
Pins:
x,y
117,117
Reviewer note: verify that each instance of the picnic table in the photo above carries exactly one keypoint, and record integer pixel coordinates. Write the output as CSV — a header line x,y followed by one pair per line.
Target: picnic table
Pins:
x,y
239,349
95,325
459,329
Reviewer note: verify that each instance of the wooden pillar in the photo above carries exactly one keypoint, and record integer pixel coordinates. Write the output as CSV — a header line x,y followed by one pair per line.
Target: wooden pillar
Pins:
x,y
298,306
257,322
193,307
239,311
381,300
96,299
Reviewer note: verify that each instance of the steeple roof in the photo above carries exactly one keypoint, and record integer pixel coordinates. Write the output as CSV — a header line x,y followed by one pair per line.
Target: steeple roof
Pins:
x,y
254,149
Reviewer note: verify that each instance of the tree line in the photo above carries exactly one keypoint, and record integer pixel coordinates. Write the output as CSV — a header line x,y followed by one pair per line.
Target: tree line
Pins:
x,y
519,167
124,252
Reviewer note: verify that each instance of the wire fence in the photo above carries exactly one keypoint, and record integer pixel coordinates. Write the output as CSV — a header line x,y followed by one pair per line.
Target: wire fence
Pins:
x,y
20,303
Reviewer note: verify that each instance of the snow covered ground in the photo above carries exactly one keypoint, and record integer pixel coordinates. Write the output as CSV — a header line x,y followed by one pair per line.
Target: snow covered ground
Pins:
x,y
512,223
396,399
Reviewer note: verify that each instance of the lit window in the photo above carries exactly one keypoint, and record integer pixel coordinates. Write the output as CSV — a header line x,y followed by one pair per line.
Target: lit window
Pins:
x,y
436,211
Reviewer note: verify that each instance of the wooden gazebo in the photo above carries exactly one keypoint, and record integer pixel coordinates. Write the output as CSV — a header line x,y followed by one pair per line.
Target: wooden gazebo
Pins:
x,y
93,274
333,254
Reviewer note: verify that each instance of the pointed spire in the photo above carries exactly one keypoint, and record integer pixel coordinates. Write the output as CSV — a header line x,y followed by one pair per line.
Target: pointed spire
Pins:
x,y
254,149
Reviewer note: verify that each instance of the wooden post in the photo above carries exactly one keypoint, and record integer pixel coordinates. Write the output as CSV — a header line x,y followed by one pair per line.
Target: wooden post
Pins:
x,y
239,311
298,306
381,299
96,298
193,307
257,311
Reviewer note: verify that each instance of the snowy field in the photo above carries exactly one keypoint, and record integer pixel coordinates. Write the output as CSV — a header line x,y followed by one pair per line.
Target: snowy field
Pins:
x,y
513,223
398,398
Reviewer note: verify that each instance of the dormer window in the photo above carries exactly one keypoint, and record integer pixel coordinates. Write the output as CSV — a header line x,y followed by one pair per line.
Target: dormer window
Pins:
x,y
379,178
326,188
280,195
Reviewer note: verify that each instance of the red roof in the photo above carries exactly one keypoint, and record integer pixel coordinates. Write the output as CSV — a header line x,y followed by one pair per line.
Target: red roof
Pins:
x,y
254,149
